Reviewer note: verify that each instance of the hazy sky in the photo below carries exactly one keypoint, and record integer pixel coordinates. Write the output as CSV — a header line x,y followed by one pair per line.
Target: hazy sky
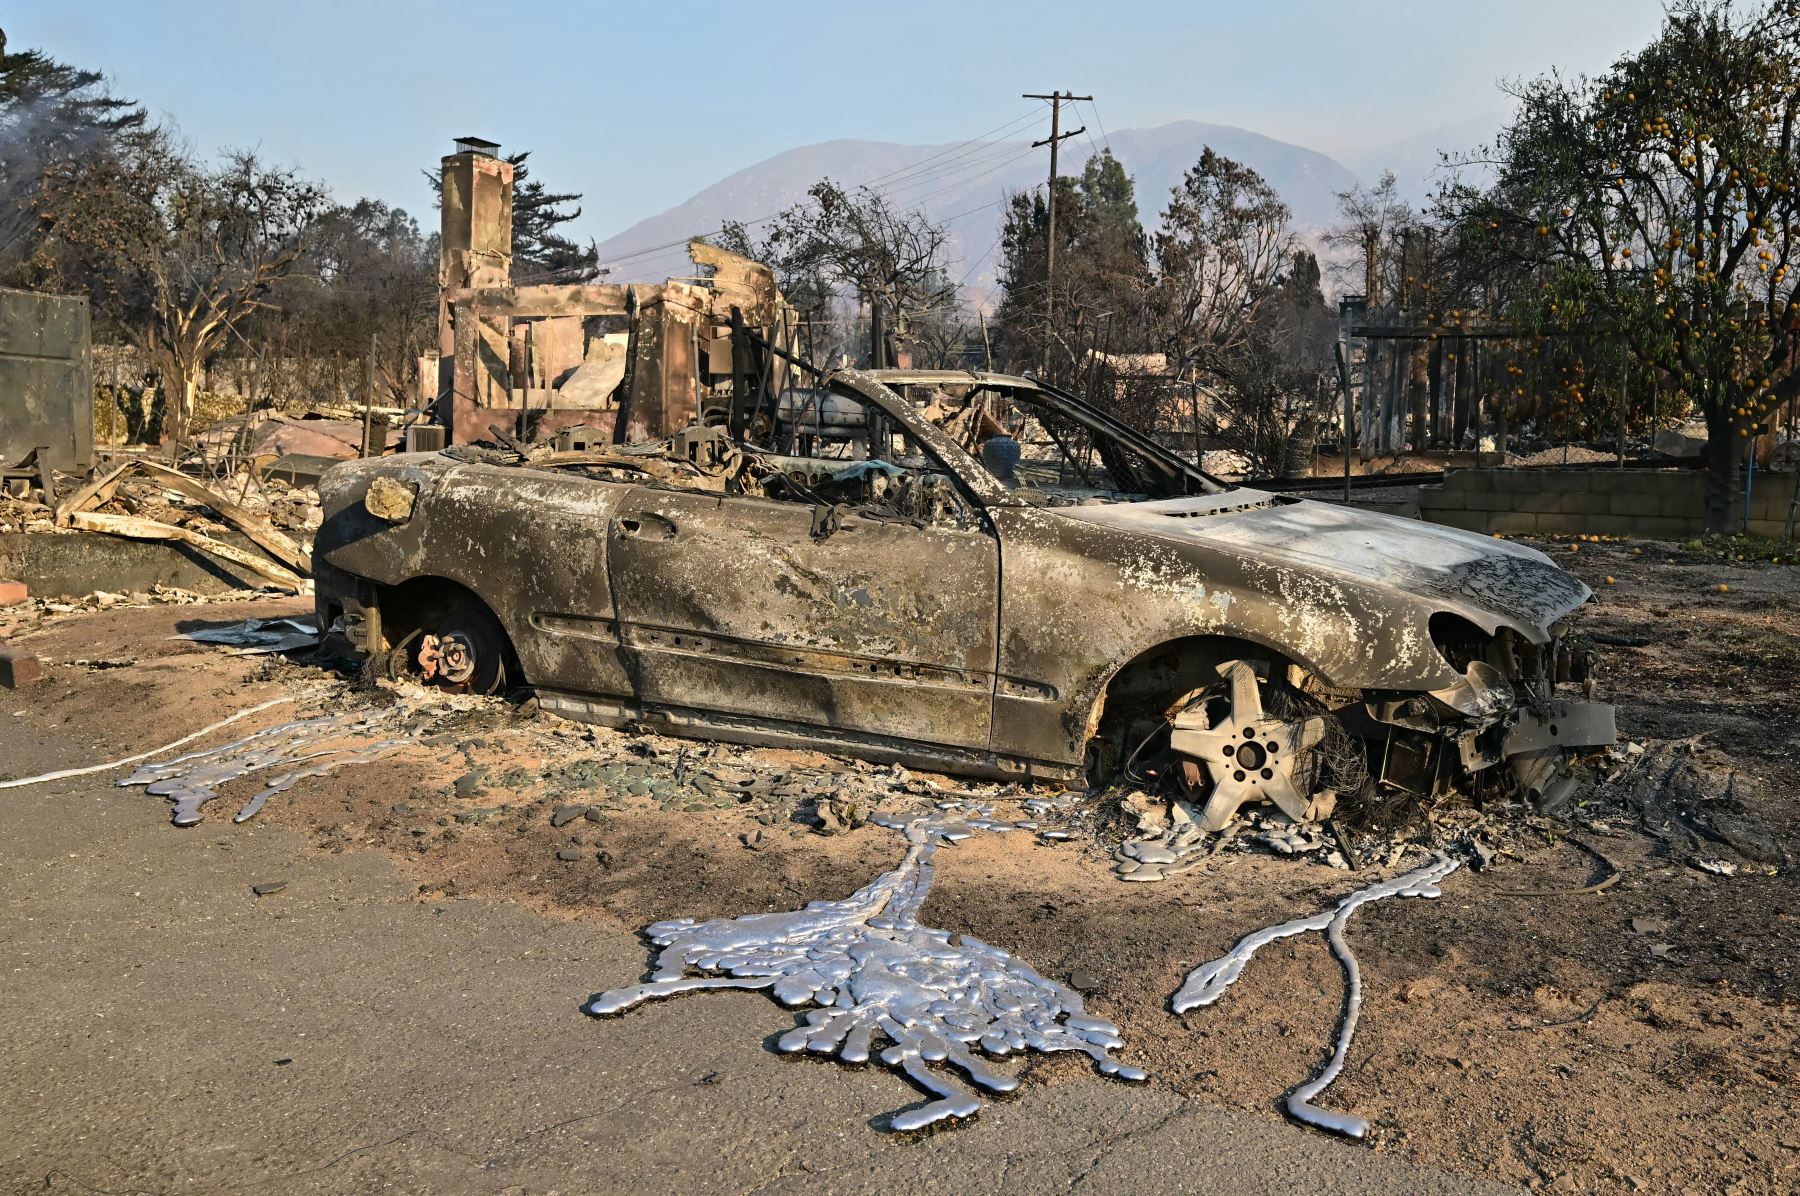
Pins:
x,y
640,105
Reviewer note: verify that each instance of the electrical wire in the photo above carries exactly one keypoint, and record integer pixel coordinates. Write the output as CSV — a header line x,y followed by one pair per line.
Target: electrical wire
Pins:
x,y
1009,126
1095,108
908,177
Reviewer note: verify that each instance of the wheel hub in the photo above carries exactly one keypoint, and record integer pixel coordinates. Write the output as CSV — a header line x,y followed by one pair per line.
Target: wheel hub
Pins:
x,y
1249,754
450,658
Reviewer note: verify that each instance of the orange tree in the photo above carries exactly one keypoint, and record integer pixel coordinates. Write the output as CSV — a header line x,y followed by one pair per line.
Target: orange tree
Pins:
x,y
1659,204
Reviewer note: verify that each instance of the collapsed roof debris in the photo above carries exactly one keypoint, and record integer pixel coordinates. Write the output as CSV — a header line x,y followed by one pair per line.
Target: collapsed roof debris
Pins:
x,y
1208,982
874,970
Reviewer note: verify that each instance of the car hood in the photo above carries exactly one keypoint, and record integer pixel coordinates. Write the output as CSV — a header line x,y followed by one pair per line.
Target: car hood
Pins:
x,y
1491,582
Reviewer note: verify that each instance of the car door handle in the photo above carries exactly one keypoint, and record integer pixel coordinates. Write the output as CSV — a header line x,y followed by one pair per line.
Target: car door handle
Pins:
x,y
643,525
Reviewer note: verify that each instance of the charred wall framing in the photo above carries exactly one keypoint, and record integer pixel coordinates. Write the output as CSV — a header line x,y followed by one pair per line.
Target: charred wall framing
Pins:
x,y
633,362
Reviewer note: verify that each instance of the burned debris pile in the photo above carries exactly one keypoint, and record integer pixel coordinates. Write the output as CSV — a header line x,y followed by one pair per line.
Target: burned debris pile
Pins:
x,y
1295,770
252,527
1695,800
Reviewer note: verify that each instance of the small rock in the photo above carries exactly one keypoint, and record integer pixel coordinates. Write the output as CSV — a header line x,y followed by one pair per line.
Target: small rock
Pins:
x,y
563,815
269,888
593,814
1082,981
471,782
1147,811
570,854
1650,925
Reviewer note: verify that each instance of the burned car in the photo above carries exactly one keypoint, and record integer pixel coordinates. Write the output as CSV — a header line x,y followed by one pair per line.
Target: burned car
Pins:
x,y
975,573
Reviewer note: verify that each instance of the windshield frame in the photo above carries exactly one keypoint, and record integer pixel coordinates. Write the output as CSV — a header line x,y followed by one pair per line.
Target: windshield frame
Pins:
x,y
1058,401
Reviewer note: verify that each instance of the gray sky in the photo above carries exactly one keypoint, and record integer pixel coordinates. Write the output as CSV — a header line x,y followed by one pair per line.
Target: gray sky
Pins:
x,y
640,105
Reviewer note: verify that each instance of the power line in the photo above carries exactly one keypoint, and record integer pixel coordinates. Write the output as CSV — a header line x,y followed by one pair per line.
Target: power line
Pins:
x,y
984,257
1090,136
651,251
1007,152
962,150
1004,159
1007,126
964,185
1095,109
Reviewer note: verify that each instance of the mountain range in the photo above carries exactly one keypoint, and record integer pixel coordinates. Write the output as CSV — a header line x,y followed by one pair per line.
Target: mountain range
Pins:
x,y
965,185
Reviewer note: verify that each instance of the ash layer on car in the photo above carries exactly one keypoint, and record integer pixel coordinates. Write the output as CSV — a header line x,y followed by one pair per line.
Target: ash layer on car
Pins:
x,y
981,575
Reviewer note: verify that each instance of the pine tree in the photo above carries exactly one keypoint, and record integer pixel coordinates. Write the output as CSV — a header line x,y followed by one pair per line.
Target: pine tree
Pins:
x,y
51,114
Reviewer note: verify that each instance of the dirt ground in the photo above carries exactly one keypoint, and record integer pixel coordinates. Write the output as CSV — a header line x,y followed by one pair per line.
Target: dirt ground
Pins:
x,y
1543,1040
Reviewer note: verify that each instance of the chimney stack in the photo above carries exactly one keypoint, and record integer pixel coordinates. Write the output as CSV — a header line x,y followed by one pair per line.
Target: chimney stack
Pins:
x,y
477,217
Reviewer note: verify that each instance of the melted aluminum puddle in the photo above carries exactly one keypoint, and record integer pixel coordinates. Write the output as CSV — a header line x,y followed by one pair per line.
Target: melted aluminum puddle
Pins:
x,y
1208,982
871,968
308,747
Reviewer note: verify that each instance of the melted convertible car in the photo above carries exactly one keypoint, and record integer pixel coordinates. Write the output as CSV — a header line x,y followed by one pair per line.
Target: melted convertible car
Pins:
x,y
975,573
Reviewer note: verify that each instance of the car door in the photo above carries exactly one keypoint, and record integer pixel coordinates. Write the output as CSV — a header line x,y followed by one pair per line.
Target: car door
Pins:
x,y
742,606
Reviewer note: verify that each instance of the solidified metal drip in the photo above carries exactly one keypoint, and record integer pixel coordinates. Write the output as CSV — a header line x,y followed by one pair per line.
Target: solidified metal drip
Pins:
x,y
871,968
311,746
1208,982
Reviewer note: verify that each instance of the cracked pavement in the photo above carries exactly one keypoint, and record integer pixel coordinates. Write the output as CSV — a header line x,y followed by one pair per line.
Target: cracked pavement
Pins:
x,y
168,1030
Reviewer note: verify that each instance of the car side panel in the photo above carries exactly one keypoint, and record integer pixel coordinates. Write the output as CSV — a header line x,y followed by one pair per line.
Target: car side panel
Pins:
x,y
882,627
531,544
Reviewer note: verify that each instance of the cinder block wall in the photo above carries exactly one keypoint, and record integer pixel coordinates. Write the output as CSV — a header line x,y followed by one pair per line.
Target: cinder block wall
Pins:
x,y
1652,504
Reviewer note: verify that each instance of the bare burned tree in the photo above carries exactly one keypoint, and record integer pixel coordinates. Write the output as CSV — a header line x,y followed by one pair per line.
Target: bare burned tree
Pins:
x,y
837,241
1221,248
1370,220
175,253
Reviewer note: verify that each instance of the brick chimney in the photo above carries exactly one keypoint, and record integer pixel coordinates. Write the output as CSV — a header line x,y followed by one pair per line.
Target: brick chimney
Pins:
x,y
477,217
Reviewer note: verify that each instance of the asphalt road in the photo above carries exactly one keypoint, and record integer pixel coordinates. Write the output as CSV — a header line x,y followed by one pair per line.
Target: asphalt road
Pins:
x,y
165,1030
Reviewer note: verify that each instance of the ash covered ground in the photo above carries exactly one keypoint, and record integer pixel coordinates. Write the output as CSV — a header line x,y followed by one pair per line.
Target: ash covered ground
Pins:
x,y
1519,1028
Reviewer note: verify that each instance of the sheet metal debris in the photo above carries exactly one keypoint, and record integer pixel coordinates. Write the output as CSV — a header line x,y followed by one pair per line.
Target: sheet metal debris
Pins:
x,y
1208,982
255,637
872,969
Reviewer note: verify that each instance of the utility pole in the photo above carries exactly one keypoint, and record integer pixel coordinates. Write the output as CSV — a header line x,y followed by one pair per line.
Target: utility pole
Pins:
x,y
1057,136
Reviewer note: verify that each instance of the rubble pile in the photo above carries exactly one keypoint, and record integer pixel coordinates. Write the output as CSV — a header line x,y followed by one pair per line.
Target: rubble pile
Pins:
x,y
289,506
